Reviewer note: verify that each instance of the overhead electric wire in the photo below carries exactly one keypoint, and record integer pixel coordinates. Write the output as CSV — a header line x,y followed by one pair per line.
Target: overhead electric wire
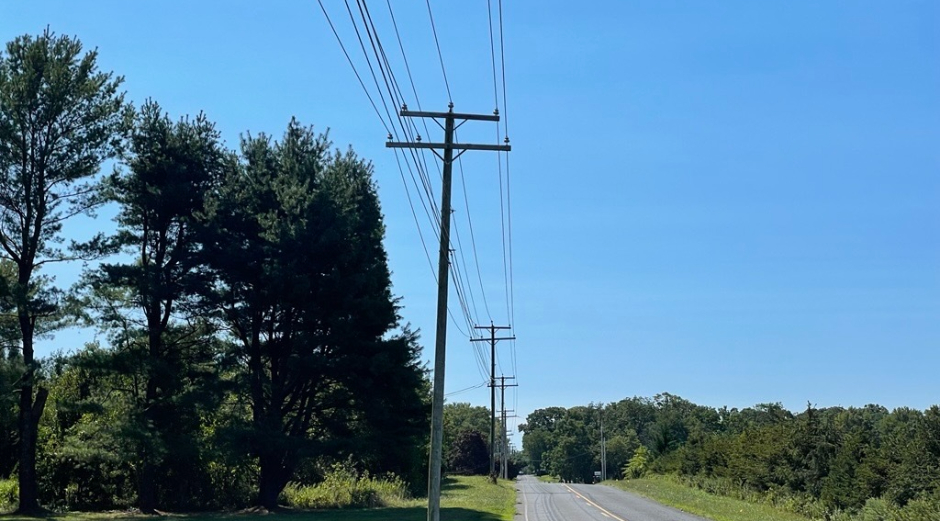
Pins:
x,y
464,290
477,386
365,53
396,96
473,242
416,160
351,64
461,296
465,281
502,59
388,79
463,184
411,80
439,54
415,215
384,124
489,13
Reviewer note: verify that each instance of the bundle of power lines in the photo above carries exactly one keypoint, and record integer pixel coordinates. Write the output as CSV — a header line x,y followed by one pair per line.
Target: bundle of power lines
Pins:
x,y
386,96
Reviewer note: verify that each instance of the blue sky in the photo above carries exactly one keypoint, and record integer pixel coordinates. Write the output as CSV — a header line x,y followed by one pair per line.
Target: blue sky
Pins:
x,y
735,202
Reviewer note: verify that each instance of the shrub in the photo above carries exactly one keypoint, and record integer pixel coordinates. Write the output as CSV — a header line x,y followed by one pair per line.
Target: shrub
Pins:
x,y
9,494
876,509
638,464
919,510
343,487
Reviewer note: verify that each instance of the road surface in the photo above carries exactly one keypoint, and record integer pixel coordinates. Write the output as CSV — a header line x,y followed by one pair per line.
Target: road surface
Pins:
x,y
537,501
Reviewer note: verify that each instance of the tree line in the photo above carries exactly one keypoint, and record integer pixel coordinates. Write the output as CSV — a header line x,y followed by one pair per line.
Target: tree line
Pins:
x,y
467,441
246,335
823,460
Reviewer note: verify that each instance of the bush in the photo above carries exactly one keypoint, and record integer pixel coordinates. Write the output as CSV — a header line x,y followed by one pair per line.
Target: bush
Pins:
x,y
638,464
9,494
919,510
343,487
877,509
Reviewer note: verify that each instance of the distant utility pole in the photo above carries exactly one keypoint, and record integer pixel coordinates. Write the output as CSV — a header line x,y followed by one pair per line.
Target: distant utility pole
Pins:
x,y
492,341
504,445
603,452
440,349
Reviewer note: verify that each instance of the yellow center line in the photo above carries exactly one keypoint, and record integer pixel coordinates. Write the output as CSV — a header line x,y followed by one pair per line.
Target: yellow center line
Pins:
x,y
595,505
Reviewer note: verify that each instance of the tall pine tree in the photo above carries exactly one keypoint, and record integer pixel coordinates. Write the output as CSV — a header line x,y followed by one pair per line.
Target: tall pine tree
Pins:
x,y
303,285
146,302
60,117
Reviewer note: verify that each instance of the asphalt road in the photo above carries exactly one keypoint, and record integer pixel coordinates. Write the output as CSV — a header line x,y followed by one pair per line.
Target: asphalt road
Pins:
x,y
539,501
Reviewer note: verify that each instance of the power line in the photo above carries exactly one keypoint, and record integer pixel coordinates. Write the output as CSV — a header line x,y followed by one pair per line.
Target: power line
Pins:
x,y
439,54
502,59
512,296
437,402
356,72
477,386
473,242
489,14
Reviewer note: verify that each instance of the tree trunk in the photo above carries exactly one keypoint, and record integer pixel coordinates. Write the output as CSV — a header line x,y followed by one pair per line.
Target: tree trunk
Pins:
x,y
146,487
146,481
30,412
29,493
270,481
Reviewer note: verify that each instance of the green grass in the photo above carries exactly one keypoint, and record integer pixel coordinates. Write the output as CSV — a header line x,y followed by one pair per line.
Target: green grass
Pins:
x,y
545,478
463,498
718,508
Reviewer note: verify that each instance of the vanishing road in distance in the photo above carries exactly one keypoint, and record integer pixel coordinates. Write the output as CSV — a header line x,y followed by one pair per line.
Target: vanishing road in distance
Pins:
x,y
539,501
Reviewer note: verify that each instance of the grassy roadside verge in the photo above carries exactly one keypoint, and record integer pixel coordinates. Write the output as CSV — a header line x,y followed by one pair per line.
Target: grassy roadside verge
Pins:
x,y
463,498
718,508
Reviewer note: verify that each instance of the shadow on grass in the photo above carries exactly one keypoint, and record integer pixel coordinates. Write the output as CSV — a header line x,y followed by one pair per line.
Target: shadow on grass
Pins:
x,y
378,514
452,484
395,514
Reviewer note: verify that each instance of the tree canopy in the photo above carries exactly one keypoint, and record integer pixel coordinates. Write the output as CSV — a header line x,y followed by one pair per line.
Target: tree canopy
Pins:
x,y
246,334
60,118
829,459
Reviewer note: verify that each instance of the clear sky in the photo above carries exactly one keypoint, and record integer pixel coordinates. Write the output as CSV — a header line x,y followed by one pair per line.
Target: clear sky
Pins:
x,y
735,202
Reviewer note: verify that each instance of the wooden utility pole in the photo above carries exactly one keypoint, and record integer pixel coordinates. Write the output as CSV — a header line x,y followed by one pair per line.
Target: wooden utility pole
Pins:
x,y
492,341
603,453
440,347
504,444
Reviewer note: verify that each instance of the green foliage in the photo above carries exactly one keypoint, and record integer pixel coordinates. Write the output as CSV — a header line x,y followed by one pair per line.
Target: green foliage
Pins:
x,y
9,494
818,463
460,417
294,243
60,118
468,454
162,364
248,329
638,464
670,492
620,448
343,487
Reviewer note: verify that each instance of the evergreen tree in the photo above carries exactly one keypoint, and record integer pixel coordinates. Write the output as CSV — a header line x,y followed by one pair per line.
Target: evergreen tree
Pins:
x,y
302,283
147,303
60,117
